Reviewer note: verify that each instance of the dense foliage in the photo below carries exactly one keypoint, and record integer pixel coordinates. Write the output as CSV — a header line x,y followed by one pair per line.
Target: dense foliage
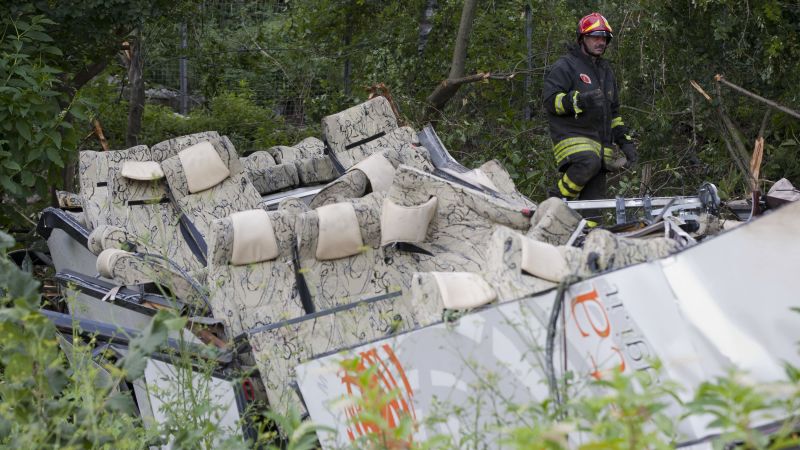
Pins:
x,y
266,72
307,59
37,137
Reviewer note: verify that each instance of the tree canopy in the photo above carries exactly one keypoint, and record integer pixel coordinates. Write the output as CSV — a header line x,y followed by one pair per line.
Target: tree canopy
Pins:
x,y
290,63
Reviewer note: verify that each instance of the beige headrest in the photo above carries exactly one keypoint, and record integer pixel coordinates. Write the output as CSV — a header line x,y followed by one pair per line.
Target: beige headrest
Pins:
x,y
106,260
142,170
406,223
463,290
378,170
543,260
253,237
474,176
203,166
339,233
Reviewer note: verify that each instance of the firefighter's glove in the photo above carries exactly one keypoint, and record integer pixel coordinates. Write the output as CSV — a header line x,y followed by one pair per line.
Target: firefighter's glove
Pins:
x,y
591,99
629,149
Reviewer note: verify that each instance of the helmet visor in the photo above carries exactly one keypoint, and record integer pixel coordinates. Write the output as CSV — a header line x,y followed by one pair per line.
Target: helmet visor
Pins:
x,y
604,34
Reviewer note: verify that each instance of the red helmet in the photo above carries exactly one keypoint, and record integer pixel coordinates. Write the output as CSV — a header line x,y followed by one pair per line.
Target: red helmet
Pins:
x,y
594,25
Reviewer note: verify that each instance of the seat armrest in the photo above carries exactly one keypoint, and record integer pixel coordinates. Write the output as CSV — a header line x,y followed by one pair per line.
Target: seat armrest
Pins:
x,y
54,218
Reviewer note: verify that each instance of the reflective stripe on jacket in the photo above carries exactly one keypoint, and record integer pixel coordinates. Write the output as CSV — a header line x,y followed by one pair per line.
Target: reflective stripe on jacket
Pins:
x,y
572,128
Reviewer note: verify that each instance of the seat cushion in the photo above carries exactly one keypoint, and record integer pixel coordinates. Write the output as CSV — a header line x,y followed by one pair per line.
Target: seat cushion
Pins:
x,y
253,237
339,232
142,170
202,166
406,223
378,169
543,260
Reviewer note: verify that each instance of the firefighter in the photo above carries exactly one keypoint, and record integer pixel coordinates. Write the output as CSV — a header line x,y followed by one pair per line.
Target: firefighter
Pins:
x,y
582,103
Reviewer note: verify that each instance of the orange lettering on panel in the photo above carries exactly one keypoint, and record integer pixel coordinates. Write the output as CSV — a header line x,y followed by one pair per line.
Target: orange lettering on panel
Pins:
x,y
586,301
388,380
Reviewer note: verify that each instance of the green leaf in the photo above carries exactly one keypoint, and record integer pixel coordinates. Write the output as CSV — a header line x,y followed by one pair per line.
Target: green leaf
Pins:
x,y
140,348
39,36
52,50
33,154
78,114
24,129
11,165
55,137
7,183
6,240
120,403
53,155
27,179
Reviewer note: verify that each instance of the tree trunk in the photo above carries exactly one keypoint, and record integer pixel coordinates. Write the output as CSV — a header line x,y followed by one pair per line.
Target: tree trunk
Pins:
x,y
184,71
136,83
448,88
347,68
528,113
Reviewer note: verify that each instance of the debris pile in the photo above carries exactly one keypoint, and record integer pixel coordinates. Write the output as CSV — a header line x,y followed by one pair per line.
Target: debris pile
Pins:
x,y
288,255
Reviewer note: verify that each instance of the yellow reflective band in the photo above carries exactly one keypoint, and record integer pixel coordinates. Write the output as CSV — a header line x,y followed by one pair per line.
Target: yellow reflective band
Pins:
x,y
608,154
575,104
575,149
560,104
564,191
605,22
591,223
564,143
570,146
617,122
592,26
571,184
628,137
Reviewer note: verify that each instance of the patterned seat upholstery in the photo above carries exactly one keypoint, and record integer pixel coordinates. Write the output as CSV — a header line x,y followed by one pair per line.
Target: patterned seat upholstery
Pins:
x,y
139,216
309,147
356,183
93,171
234,193
309,160
315,170
344,280
459,233
553,222
93,178
502,181
142,208
357,132
130,269
142,219
513,274
604,251
267,176
169,148
457,239
259,293
72,204
505,272
278,349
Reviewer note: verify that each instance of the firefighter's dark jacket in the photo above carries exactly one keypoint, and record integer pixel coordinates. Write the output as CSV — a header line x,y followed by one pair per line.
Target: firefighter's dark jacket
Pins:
x,y
573,73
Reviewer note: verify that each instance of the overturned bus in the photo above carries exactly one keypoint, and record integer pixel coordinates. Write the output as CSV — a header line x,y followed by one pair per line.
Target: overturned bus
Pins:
x,y
375,245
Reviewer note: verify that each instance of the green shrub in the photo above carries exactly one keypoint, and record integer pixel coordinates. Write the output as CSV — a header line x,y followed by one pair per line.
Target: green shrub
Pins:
x,y
232,113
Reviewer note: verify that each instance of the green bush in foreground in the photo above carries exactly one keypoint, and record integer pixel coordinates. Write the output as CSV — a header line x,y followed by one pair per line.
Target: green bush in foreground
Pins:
x,y
44,403
55,395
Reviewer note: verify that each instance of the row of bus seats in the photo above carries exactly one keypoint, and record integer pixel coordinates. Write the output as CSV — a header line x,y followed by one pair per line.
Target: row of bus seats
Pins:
x,y
390,245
